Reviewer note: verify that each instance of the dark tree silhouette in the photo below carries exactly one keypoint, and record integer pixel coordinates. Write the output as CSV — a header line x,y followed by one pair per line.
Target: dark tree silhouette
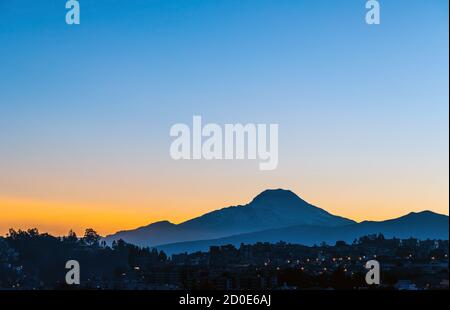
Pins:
x,y
71,237
91,237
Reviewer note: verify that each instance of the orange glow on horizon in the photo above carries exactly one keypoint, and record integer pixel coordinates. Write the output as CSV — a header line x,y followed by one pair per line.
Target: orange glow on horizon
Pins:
x,y
58,218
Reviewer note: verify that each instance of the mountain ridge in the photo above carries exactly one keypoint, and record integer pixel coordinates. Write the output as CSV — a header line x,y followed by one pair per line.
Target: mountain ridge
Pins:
x,y
271,208
271,215
406,226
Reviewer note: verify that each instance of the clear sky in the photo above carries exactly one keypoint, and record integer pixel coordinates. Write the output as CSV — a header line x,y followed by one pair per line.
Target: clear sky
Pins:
x,y
85,111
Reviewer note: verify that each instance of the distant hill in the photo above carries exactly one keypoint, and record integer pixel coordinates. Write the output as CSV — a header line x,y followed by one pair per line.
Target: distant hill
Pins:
x,y
423,225
270,209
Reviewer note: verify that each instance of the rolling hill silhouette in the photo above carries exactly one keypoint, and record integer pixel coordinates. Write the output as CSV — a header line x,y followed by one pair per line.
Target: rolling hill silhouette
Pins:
x,y
422,225
269,210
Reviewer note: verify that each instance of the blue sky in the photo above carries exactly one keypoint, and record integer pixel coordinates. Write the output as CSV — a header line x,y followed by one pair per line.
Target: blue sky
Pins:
x,y
363,110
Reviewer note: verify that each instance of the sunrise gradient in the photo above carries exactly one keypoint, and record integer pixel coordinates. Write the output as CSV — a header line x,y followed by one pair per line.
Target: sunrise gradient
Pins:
x,y
85,111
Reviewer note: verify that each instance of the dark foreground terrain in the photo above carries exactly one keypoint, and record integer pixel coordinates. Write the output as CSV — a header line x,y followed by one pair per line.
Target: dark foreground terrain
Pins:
x,y
30,260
